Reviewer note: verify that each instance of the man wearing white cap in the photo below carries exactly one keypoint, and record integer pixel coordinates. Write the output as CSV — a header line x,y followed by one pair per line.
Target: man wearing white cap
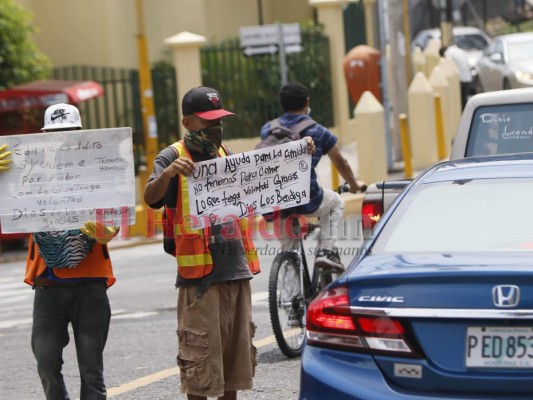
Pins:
x,y
70,272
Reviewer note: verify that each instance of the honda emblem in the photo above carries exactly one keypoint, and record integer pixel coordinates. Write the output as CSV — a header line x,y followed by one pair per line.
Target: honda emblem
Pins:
x,y
506,296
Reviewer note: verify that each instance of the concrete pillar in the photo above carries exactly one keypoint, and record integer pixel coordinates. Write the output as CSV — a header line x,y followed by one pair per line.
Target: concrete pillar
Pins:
x,y
370,19
395,142
330,15
440,85
370,138
422,122
186,47
452,75
419,61
431,53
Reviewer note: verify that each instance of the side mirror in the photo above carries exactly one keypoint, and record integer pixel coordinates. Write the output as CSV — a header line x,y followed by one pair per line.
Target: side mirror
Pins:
x,y
496,58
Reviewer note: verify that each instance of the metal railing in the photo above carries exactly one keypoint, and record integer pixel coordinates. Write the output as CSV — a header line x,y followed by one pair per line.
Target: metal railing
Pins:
x,y
249,87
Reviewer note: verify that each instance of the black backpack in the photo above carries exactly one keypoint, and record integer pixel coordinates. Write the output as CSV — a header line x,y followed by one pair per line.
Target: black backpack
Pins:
x,y
279,134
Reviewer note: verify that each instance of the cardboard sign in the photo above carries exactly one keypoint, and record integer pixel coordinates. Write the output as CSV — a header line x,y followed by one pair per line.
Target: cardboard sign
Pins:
x,y
59,180
255,182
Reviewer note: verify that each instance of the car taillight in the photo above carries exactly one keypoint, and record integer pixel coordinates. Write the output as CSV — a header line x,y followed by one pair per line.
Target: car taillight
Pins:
x,y
331,323
371,212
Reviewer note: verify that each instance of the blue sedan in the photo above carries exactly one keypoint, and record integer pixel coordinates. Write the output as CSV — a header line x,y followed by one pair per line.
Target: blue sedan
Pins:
x,y
439,304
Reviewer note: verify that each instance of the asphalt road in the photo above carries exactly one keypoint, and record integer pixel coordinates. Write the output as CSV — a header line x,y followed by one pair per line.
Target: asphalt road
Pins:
x,y
140,356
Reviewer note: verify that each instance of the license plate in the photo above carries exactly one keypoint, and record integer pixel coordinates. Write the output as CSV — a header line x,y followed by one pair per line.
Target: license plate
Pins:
x,y
499,347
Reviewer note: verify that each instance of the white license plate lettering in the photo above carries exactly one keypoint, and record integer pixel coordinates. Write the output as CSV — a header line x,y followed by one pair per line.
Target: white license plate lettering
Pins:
x,y
499,347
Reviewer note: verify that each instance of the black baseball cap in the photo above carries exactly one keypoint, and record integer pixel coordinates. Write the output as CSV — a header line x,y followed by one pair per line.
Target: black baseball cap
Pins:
x,y
204,102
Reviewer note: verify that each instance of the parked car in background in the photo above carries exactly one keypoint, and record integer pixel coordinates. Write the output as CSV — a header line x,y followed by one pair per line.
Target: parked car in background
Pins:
x,y
439,303
471,39
507,63
492,123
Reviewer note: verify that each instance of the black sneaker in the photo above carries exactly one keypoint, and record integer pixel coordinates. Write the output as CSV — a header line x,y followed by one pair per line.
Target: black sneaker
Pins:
x,y
326,258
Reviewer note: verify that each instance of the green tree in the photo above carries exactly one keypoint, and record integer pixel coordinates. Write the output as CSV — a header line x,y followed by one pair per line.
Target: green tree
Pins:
x,y
20,59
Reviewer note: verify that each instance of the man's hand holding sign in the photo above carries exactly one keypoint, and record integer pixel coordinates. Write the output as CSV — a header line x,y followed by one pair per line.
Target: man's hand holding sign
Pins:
x,y
4,161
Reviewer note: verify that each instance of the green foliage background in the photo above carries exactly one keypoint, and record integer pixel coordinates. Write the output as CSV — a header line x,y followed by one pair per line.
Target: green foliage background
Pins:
x,y
20,59
249,85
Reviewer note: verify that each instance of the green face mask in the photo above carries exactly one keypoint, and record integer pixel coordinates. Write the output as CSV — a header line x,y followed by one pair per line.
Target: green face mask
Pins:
x,y
214,134
208,139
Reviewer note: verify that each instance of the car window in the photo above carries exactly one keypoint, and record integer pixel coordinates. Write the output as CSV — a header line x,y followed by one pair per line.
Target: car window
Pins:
x,y
461,216
490,49
520,51
501,129
422,39
495,47
470,42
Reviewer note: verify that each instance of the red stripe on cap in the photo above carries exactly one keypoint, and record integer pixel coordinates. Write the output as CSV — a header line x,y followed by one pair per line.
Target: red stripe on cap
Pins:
x,y
213,114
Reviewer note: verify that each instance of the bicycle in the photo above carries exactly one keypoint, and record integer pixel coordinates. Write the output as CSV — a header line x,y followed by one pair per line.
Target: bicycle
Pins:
x,y
292,287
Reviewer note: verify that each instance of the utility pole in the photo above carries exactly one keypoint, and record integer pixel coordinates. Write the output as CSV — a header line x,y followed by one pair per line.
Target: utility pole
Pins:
x,y
260,11
407,36
147,98
446,26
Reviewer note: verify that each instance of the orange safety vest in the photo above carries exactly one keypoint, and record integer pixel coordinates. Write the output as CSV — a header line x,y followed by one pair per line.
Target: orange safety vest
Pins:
x,y
192,250
97,264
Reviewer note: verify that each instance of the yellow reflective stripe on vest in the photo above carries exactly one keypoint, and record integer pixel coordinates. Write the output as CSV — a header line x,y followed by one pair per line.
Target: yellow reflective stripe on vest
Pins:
x,y
183,225
194,260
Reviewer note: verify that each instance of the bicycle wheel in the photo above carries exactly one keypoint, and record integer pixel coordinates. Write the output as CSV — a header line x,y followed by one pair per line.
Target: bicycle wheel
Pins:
x,y
286,303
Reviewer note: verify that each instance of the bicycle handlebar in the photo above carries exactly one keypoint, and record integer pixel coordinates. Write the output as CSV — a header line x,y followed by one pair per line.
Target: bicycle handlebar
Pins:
x,y
345,188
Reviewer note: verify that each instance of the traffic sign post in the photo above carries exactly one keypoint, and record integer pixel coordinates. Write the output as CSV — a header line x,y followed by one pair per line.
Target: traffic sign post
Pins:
x,y
269,39
252,51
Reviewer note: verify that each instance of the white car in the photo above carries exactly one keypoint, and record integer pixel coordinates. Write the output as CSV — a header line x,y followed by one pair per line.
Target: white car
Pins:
x,y
492,123
472,40
507,63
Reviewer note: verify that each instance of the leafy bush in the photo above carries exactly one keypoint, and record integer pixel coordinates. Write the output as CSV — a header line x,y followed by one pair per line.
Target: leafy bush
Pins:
x,y
20,59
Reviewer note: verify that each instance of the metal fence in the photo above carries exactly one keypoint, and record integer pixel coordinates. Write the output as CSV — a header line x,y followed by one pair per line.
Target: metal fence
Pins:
x,y
249,87
120,105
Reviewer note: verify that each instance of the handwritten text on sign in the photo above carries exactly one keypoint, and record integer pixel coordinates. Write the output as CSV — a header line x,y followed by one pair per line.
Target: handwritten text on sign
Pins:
x,y
257,181
59,180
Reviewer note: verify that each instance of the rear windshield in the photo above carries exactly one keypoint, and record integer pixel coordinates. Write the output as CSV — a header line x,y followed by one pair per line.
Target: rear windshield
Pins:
x,y
470,42
501,129
486,215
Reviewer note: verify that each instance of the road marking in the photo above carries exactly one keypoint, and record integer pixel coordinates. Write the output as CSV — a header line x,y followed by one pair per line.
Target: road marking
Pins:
x,y
143,381
166,373
14,322
258,297
137,314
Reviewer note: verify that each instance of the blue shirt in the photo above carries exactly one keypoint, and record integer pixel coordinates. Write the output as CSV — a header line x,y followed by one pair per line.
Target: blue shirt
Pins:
x,y
324,142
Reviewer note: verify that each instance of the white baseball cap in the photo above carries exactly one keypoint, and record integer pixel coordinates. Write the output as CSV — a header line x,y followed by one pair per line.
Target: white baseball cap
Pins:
x,y
61,116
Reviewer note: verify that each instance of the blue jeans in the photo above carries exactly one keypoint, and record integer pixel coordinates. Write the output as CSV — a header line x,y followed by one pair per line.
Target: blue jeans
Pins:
x,y
86,307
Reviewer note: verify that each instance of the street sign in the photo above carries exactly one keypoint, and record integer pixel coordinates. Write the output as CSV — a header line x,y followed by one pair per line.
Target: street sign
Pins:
x,y
271,39
293,48
262,35
252,51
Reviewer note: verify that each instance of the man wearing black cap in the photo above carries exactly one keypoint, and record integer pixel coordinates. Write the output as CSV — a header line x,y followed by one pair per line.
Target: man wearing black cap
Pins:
x,y
216,355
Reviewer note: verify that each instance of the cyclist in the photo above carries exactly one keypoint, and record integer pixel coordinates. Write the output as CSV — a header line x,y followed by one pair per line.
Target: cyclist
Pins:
x,y
325,204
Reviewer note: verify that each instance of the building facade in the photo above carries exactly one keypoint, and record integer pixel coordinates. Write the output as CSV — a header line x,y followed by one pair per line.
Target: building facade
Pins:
x,y
103,32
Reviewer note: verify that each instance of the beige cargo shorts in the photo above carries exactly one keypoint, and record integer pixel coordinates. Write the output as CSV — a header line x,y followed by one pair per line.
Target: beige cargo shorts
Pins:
x,y
215,332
